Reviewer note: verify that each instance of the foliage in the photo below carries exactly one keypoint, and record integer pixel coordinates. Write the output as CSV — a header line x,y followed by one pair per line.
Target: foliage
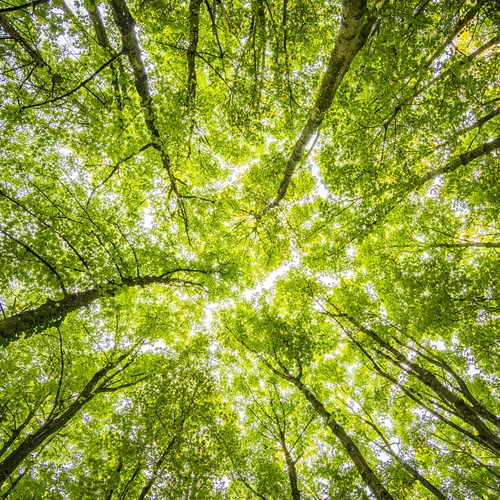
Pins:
x,y
249,249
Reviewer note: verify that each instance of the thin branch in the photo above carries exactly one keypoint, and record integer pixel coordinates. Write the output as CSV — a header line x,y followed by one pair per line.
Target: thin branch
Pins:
x,y
23,6
75,89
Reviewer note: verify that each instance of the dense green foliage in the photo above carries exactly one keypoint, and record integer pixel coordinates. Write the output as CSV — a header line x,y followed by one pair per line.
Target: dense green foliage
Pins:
x,y
249,249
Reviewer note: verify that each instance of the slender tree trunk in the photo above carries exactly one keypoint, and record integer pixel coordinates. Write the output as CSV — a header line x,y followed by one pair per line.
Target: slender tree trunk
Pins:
x,y
351,37
412,471
463,159
291,470
52,425
156,469
470,244
10,29
126,26
417,399
104,42
194,21
463,410
368,475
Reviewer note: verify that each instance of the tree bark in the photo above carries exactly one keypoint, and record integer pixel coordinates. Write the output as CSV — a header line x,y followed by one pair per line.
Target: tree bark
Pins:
x,y
463,159
194,21
52,312
470,244
411,470
369,477
417,399
126,26
52,425
351,37
291,470
156,469
104,42
467,413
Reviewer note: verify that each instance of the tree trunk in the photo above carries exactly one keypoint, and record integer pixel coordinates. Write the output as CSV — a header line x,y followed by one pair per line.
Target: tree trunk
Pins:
x,y
351,37
291,470
463,410
463,159
52,425
369,477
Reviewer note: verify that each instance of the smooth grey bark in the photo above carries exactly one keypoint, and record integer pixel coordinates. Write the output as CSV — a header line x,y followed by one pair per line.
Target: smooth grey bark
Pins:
x,y
463,159
411,470
417,398
369,477
103,40
194,21
126,26
351,37
464,411
290,468
156,469
12,31
470,244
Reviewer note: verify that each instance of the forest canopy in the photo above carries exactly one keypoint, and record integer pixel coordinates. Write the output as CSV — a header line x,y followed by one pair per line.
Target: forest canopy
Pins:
x,y
249,249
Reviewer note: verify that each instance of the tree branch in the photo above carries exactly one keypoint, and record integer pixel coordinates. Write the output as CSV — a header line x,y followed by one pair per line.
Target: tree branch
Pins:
x,y
23,6
75,89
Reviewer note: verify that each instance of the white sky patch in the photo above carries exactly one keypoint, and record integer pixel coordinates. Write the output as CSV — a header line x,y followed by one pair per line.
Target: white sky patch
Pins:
x,y
328,281
268,282
156,346
320,189
235,175
148,217
473,370
281,271
438,344
383,312
209,315
351,251
65,151
71,5
384,457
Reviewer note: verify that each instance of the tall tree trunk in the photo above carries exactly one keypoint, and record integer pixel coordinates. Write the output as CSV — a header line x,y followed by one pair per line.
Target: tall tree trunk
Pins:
x,y
351,37
467,413
411,470
463,159
194,21
126,26
54,424
368,475
291,470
